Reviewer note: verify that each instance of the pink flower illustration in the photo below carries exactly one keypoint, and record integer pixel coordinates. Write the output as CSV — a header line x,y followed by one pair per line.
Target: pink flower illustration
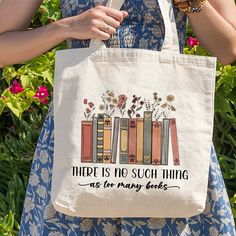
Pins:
x,y
89,109
121,103
16,87
192,41
122,98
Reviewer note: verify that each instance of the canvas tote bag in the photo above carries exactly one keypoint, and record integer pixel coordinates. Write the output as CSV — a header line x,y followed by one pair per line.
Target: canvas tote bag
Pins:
x,y
133,129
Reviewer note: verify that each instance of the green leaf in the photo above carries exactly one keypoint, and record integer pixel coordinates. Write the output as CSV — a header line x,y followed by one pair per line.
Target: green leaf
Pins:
x,y
218,73
220,103
232,96
25,81
13,106
9,73
48,75
2,106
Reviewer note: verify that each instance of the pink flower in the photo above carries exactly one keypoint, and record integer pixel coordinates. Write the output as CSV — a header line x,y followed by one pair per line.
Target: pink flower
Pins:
x,y
44,101
192,42
42,94
16,87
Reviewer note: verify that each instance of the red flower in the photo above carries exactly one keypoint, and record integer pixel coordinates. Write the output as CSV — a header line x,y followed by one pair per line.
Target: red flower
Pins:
x,y
16,87
192,42
91,105
85,101
42,94
88,110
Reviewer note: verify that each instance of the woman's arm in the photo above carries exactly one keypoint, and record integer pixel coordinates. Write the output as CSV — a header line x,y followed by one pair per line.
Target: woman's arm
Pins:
x,y
17,44
215,27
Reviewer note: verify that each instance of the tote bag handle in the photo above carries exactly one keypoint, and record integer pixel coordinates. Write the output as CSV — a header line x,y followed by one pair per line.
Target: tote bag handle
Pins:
x,y
171,41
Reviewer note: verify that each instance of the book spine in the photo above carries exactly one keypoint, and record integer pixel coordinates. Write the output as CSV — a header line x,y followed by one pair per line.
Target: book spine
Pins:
x,y
95,125
107,140
156,142
115,139
147,137
124,135
174,141
165,142
100,131
86,141
139,140
132,141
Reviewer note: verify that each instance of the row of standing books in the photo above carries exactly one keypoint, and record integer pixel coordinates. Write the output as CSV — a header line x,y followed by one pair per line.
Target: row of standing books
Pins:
x,y
141,140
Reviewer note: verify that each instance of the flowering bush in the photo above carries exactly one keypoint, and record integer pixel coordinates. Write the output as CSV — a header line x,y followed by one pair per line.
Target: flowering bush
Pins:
x,y
225,117
25,93
28,85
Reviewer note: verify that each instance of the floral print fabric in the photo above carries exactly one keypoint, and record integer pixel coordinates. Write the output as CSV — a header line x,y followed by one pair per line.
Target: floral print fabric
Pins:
x,y
143,29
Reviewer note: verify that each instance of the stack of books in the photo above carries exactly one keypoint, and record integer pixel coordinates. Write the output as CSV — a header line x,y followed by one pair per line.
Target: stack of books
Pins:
x,y
141,140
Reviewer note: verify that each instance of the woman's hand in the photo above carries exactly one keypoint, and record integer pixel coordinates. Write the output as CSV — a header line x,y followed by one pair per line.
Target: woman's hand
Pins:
x,y
17,44
99,22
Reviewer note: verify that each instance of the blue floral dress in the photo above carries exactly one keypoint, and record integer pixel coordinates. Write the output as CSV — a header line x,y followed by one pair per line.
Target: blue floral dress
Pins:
x,y
143,28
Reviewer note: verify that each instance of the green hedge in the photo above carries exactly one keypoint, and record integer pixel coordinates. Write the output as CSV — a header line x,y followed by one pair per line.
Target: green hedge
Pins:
x,y
22,115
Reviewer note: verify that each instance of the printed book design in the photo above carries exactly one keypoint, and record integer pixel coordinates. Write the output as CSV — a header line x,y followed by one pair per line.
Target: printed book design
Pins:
x,y
145,136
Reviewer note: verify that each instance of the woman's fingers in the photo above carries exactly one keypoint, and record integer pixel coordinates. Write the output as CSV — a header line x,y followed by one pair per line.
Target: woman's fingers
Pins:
x,y
99,22
111,21
99,34
108,29
103,26
125,14
117,15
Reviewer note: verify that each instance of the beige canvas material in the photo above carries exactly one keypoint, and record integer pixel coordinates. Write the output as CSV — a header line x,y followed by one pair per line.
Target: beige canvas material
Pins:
x,y
160,190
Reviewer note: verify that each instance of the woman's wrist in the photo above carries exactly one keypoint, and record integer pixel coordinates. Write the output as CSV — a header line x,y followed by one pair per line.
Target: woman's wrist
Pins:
x,y
62,29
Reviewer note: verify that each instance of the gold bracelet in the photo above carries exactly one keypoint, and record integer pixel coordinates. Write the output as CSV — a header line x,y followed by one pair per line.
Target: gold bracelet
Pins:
x,y
191,6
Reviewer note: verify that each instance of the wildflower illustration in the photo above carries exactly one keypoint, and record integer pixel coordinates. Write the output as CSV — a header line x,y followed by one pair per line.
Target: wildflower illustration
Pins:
x,y
109,103
136,106
155,106
167,106
89,108
144,135
160,110
121,104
